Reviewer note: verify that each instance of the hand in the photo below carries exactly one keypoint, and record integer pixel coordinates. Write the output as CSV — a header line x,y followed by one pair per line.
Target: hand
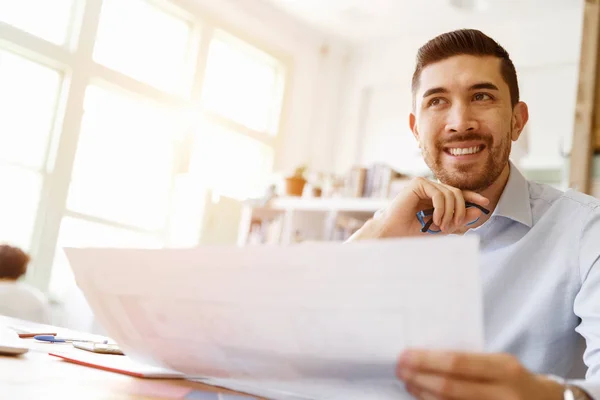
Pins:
x,y
432,375
400,220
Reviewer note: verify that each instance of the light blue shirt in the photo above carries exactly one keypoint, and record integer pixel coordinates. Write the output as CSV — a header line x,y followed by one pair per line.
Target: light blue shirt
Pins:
x,y
540,266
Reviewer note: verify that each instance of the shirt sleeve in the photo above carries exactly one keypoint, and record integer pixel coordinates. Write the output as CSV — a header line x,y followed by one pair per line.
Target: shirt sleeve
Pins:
x,y
587,303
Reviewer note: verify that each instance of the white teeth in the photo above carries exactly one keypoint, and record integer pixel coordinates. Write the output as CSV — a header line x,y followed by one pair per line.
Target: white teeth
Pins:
x,y
464,151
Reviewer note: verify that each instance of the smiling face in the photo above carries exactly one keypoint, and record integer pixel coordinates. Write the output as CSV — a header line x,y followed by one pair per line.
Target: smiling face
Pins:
x,y
464,121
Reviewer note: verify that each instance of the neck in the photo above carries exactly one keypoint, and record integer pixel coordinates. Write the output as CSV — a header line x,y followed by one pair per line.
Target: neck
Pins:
x,y
492,193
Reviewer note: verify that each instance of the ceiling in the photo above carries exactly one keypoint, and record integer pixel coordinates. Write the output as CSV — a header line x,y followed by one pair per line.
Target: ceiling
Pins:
x,y
359,21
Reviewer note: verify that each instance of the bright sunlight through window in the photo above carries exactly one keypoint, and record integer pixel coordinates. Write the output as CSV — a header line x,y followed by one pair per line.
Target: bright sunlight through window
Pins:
x,y
120,118
78,233
26,89
243,84
231,164
142,41
48,19
124,160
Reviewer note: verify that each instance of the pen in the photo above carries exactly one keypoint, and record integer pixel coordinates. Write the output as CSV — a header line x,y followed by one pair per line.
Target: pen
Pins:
x,y
30,335
54,339
25,333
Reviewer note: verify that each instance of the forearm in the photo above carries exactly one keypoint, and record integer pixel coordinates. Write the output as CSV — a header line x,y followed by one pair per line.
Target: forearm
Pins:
x,y
372,229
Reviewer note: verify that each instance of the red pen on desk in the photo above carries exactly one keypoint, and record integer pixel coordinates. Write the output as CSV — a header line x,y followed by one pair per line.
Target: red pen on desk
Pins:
x,y
26,334
30,335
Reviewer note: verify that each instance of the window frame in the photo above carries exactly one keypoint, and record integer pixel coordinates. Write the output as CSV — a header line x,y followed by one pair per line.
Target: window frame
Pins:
x,y
74,59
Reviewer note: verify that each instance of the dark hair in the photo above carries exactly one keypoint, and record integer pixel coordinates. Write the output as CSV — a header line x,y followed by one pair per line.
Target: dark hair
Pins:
x,y
466,42
13,262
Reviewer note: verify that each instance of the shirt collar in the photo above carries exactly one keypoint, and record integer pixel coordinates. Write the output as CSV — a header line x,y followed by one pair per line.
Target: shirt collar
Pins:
x,y
514,201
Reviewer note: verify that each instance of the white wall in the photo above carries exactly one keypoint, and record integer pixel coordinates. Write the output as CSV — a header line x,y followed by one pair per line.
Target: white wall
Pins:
x,y
377,98
310,116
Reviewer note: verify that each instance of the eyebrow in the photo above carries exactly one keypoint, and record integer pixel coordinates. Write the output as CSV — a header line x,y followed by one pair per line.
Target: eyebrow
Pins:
x,y
481,85
484,85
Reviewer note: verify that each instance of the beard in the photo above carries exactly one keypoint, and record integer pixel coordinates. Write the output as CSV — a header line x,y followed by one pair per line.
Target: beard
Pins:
x,y
474,177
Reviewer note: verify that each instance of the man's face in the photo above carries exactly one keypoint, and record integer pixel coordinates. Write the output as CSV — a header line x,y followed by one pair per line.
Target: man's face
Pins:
x,y
464,121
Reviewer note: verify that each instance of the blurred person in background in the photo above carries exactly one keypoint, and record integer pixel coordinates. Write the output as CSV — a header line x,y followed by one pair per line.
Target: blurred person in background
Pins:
x,y
19,299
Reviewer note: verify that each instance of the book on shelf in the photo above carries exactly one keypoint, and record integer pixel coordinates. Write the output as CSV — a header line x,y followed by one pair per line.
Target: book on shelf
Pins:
x,y
376,181
355,181
265,231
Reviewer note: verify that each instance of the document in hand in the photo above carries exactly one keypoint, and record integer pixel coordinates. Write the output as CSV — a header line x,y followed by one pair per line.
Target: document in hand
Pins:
x,y
311,321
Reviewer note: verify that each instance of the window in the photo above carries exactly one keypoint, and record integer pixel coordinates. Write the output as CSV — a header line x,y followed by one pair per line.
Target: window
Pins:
x,y
79,233
96,144
20,197
230,163
243,84
26,89
124,161
49,20
143,41
241,100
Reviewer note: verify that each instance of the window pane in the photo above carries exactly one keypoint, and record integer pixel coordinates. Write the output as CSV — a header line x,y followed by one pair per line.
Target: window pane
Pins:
x,y
231,164
48,19
124,160
78,233
243,84
20,197
186,212
139,39
28,99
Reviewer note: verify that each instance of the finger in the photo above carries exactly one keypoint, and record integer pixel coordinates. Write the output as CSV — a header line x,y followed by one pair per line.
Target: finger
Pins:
x,y
463,365
459,206
475,198
420,394
430,191
412,389
428,396
448,208
448,387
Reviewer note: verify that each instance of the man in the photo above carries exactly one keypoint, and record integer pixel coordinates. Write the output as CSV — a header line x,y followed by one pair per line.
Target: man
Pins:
x,y
540,247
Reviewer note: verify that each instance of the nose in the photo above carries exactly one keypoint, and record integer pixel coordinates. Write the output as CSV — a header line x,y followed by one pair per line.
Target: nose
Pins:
x,y
461,120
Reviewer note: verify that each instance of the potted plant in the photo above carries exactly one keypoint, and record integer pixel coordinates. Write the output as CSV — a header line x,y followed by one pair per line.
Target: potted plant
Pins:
x,y
294,184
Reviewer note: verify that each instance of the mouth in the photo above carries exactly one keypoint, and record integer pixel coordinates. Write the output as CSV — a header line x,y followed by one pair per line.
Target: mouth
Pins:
x,y
463,150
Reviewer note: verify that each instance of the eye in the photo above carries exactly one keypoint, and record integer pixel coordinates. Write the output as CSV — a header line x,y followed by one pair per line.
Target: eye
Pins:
x,y
481,97
436,101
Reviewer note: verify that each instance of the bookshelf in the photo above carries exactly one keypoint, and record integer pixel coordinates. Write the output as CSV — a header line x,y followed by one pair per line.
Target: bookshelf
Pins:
x,y
286,220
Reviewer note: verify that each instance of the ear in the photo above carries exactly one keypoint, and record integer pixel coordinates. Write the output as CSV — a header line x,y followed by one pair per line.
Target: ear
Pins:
x,y
412,123
519,119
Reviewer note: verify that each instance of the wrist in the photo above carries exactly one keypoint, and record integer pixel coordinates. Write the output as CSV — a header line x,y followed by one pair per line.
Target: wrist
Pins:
x,y
569,391
372,229
552,388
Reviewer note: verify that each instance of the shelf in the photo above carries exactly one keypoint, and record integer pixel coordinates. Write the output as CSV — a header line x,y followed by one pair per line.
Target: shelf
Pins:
x,y
315,215
328,204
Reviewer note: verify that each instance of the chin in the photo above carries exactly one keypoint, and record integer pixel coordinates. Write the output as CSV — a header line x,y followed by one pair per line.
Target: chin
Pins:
x,y
473,186
466,180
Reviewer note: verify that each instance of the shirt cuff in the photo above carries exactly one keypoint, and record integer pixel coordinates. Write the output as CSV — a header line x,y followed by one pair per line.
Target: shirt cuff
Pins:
x,y
592,388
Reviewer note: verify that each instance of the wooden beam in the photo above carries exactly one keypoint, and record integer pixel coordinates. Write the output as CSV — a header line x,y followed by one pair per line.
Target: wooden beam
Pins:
x,y
587,110
597,125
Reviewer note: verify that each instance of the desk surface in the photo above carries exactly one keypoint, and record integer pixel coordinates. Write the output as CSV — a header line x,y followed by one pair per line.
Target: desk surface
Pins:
x,y
36,375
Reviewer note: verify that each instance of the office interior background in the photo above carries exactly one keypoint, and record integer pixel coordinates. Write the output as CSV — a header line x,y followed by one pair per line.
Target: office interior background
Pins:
x,y
171,123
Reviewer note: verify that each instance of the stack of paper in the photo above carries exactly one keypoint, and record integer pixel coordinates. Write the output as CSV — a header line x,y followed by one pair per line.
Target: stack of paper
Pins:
x,y
322,321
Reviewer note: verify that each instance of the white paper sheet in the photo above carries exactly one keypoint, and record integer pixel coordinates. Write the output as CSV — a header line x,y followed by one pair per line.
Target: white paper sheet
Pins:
x,y
324,320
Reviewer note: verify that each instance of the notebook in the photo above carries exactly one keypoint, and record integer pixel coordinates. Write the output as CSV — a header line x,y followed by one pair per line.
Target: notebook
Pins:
x,y
117,363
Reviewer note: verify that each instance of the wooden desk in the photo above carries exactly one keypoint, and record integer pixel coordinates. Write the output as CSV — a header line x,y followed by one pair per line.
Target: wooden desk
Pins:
x,y
36,375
